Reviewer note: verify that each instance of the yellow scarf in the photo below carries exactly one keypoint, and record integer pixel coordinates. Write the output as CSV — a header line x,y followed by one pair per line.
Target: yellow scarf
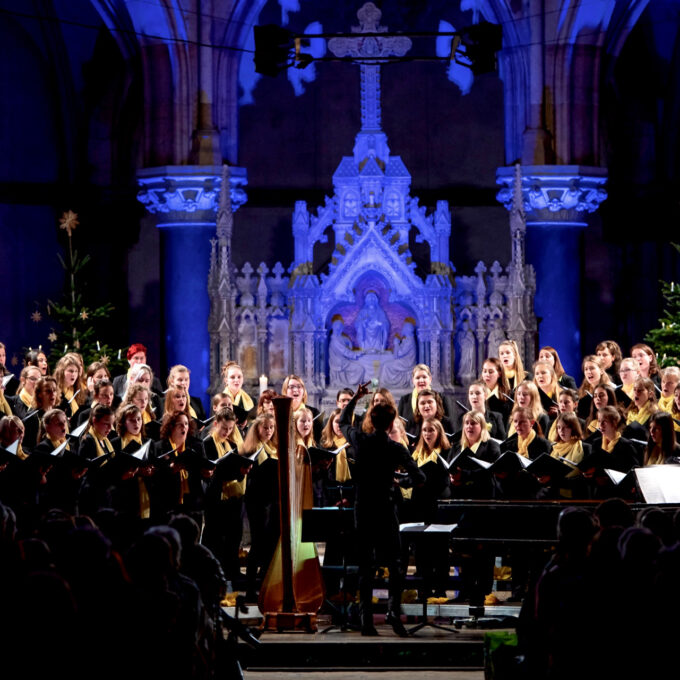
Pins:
x,y
523,444
232,488
666,403
421,456
552,433
58,442
628,390
127,438
494,393
26,398
4,406
237,436
342,473
414,401
592,425
656,457
144,500
640,415
271,450
99,442
192,413
608,445
146,417
572,451
465,444
240,399
509,373
72,403
183,474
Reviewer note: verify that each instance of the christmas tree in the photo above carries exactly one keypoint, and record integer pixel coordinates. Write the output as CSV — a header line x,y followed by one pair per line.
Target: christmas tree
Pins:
x,y
666,339
75,323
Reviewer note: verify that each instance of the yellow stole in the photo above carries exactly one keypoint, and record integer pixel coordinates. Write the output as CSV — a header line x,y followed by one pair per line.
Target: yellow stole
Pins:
x,y
26,398
494,393
592,425
465,444
232,488
58,442
414,401
572,451
183,474
271,450
523,444
640,416
666,403
98,443
628,389
656,456
192,413
4,405
143,493
146,417
236,436
127,438
608,445
72,403
421,456
240,399
342,473
552,433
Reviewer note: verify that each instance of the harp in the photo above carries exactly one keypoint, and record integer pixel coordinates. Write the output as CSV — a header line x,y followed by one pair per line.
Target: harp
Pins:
x,y
292,591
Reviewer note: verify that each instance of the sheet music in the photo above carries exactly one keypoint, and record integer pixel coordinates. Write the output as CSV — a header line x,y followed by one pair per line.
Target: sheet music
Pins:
x,y
659,483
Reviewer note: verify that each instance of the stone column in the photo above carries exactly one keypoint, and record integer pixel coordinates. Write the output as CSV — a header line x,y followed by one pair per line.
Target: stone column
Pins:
x,y
184,200
557,201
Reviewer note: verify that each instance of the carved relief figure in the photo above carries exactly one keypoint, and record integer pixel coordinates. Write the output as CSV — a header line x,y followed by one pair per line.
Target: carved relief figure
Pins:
x,y
372,325
397,371
343,366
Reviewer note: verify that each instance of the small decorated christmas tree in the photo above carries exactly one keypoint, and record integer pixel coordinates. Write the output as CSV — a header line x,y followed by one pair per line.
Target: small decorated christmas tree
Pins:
x,y
666,339
75,323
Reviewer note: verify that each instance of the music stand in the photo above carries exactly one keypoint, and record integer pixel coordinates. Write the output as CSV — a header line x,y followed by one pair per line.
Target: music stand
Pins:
x,y
320,524
424,533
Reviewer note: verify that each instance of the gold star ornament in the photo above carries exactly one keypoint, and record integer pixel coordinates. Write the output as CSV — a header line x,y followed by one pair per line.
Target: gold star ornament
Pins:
x,y
36,316
69,221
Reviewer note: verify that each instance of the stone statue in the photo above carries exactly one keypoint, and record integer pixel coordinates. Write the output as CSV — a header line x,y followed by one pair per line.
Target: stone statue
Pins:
x,y
372,325
496,337
343,366
466,366
397,371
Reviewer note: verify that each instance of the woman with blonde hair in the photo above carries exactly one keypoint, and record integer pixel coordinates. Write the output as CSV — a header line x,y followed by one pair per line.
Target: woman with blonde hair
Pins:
x,y
421,379
527,397
232,375
475,437
593,375
545,378
641,410
513,367
69,376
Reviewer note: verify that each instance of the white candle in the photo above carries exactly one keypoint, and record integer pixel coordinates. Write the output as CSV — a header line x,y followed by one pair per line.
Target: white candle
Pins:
x,y
263,383
98,347
118,355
